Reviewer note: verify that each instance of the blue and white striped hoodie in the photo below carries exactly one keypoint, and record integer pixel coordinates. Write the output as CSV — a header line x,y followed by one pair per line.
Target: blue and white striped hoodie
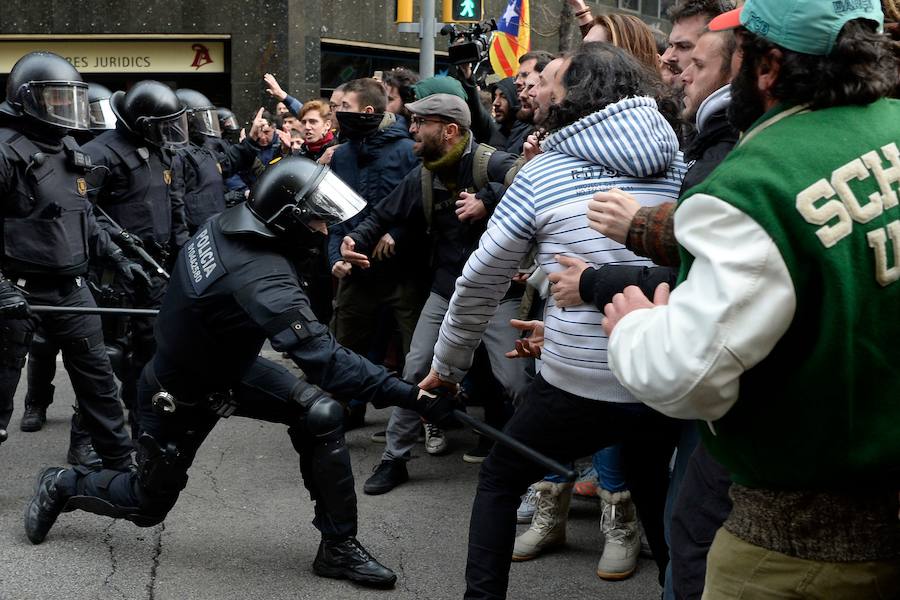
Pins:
x,y
627,145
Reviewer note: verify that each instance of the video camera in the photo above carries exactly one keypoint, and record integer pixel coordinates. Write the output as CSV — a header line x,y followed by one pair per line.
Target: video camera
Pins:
x,y
469,44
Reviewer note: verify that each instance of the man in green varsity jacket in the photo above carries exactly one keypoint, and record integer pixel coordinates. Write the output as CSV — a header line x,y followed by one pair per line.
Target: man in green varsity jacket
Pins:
x,y
782,335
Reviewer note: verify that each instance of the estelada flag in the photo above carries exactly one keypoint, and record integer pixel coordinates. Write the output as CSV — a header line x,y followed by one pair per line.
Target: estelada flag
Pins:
x,y
512,38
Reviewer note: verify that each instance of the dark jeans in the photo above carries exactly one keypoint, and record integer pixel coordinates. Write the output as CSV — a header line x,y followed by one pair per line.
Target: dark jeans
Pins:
x,y
565,427
699,511
264,392
84,357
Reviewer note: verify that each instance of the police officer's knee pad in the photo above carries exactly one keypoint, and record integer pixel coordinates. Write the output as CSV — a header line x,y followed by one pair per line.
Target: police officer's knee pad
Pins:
x,y
324,415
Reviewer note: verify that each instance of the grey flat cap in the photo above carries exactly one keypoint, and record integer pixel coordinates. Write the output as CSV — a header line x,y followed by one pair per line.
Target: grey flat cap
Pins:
x,y
450,107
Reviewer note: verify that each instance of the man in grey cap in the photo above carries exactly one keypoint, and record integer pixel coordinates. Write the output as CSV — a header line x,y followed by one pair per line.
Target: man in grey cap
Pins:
x,y
450,197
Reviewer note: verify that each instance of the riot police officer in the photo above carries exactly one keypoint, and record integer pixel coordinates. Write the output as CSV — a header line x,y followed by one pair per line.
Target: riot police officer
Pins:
x,y
135,160
198,170
233,287
49,232
41,366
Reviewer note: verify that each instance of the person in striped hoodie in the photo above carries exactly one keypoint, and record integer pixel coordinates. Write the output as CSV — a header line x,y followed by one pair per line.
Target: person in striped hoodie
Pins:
x,y
609,133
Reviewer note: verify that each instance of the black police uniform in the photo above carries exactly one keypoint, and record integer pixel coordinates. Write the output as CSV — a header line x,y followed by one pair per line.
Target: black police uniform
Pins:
x,y
198,172
135,194
230,291
49,232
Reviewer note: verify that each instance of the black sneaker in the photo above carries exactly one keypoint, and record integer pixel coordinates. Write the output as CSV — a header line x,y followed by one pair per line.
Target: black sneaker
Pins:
x,y
347,559
34,418
43,508
477,454
388,475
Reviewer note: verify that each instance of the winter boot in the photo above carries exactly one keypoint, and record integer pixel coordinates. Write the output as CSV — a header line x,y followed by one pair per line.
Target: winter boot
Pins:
x,y
548,528
619,526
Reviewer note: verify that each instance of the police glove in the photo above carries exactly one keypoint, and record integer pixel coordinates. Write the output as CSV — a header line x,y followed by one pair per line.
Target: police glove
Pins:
x,y
436,406
130,270
12,303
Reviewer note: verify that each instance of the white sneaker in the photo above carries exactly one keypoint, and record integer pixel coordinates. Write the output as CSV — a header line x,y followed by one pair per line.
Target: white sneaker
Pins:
x,y
435,440
526,509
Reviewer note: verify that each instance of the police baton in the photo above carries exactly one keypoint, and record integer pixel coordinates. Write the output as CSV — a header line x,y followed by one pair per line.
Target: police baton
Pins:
x,y
93,310
514,444
142,254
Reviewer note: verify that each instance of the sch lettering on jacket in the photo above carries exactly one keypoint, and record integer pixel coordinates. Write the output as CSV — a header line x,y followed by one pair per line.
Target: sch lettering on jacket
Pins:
x,y
203,261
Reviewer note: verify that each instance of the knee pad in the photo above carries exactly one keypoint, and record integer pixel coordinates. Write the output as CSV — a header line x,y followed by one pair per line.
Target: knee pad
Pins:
x,y
324,415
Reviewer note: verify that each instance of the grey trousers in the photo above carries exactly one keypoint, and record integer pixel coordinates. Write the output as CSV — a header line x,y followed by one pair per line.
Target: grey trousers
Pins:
x,y
498,339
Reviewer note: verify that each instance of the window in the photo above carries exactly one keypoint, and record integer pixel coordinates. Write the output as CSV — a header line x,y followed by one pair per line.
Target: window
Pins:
x,y
631,5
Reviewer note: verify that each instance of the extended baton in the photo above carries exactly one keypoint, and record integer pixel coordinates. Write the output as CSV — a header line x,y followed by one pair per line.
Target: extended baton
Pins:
x,y
88,310
529,453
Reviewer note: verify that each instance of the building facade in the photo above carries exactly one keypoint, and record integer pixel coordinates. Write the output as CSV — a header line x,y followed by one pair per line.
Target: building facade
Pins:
x,y
224,47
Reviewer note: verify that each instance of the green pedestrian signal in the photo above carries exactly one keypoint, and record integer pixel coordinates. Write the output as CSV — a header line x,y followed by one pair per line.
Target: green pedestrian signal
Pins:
x,y
464,10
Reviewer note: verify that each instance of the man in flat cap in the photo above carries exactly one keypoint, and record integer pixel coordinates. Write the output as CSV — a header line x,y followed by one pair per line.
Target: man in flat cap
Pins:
x,y
450,198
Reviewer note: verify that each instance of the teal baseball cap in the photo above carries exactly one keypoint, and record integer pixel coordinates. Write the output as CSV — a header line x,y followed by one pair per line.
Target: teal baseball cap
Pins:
x,y
807,26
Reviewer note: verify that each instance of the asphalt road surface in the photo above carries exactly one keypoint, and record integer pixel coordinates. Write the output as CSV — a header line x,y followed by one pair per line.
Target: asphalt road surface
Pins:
x,y
242,528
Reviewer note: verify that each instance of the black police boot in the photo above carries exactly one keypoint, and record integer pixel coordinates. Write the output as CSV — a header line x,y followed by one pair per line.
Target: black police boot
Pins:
x,y
347,559
388,475
81,451
44,506
33,418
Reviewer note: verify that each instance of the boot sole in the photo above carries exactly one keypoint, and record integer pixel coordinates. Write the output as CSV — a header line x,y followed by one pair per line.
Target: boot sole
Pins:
x,y
615,576
30,428
544,550
339,573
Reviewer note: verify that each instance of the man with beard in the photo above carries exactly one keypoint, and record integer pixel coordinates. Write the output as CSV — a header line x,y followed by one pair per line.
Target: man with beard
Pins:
x,y
377,155
777,331
689,19
465,181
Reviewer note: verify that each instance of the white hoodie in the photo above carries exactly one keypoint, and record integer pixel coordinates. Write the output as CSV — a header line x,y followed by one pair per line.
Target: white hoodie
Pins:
x,y
627,145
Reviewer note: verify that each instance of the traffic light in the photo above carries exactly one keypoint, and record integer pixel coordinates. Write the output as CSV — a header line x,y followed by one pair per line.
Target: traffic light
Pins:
x,y
404,11
463,11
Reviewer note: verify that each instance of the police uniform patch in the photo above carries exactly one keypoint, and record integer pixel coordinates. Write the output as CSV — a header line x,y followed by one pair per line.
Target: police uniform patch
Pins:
x,y
81,186
204,266
167,176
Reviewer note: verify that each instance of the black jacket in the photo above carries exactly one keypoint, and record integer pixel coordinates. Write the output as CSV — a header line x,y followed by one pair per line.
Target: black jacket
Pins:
x,y
228,294
451,241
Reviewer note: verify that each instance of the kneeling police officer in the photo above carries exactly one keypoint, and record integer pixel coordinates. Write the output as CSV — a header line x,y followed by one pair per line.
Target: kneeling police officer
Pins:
x,y
233,287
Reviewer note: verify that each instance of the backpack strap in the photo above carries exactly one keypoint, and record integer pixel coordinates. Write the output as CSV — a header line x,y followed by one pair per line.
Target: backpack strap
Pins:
x,y
427,196
480,161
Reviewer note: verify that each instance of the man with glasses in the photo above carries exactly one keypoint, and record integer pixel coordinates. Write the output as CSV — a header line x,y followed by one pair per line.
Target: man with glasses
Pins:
x,y
450,198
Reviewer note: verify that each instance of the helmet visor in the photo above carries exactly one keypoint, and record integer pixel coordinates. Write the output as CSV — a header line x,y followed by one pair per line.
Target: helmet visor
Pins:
x,y
229,124
205,121
102,116
166,132
60,103
333,202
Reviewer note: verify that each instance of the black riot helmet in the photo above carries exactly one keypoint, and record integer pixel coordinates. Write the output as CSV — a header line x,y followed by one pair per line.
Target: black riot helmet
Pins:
x,y
43,86
227,121
290,199
202,116
101,113
152,111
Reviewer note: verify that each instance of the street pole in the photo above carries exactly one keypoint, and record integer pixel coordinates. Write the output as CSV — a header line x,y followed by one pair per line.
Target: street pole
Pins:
x,y
426,40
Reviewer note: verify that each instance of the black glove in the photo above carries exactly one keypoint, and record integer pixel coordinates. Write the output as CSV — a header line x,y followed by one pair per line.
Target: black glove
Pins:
x,y
436,406
130,270
12,303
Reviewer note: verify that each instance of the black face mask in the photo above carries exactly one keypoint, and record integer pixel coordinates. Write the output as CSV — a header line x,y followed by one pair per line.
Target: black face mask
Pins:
x,y
356,126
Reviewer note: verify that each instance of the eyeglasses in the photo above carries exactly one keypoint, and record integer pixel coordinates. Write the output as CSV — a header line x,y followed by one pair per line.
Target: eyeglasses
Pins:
x,y
417,121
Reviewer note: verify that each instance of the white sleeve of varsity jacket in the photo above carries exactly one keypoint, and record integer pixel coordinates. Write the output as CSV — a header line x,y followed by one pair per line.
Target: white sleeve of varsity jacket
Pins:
x,y
685,359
